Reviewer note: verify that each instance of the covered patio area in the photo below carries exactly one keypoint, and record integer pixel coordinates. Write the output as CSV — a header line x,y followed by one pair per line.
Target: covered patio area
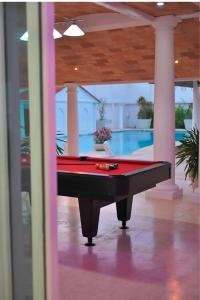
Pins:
x,y
132,42
157,257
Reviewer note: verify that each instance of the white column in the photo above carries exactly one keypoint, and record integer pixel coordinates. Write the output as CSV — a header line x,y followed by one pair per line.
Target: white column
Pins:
x,y
72,119
164,105
196,104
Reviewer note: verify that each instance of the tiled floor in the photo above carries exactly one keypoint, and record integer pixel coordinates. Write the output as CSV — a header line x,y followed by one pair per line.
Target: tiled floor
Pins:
x,y
157,258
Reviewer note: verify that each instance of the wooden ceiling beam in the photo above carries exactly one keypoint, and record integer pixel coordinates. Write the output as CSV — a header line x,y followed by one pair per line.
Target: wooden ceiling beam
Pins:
x,y
188,16
126,10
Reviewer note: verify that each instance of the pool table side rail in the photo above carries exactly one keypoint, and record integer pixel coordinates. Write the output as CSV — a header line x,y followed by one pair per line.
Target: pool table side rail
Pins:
x,y
147,178
84,185
110,187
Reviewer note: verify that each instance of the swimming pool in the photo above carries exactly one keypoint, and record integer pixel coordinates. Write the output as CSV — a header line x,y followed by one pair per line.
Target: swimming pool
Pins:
x,y
124,142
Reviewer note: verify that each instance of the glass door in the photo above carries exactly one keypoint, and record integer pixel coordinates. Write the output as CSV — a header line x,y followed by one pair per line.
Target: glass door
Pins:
x,y
19,150
28,156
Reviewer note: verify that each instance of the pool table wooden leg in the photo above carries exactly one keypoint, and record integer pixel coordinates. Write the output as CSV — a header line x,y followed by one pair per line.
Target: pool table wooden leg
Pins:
x,y
89,214
124,210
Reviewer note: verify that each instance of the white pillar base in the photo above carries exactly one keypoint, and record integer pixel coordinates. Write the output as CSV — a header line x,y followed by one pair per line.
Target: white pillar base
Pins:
x,y
170,192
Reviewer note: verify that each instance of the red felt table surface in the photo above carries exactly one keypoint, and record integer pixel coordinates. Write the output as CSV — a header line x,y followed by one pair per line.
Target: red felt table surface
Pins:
x,y
75,165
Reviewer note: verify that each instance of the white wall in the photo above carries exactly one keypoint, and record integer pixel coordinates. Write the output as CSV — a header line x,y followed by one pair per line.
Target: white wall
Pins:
x,y
119,116
183,94
120,105
86,112
87,117
130,115
122,92
132,91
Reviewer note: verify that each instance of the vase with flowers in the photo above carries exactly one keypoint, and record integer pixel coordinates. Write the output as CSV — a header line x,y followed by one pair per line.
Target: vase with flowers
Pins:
x,y
100,136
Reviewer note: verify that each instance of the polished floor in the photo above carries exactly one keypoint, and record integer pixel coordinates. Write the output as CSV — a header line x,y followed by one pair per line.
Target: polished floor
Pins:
x,y
157,258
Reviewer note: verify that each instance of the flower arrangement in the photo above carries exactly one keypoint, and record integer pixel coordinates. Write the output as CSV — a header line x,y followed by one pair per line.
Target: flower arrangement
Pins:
x,y
102,135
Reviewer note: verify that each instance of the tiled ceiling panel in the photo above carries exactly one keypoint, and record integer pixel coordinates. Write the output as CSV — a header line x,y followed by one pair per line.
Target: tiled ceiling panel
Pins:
x,y
76,9
123,55
170,8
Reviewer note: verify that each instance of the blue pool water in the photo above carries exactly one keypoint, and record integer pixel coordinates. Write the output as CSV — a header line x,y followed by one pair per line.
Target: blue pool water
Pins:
x,y
123,142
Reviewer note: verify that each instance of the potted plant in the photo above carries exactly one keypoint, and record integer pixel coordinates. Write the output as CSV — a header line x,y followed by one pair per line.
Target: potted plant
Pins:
x,y
100,136
188,118
25,147
101,110
188,152
145,114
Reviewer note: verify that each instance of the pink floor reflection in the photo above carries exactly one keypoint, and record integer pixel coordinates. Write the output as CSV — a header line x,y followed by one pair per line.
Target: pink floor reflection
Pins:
x,y
153,259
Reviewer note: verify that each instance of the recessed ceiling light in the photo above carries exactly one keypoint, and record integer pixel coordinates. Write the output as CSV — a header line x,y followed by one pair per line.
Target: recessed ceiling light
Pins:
x,y
160,3
75,69
176,61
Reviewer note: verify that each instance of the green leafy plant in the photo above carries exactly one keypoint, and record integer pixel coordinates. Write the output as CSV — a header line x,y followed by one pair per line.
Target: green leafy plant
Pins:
x,y
188,112
146,108
179,116
188,152
59,138
25,144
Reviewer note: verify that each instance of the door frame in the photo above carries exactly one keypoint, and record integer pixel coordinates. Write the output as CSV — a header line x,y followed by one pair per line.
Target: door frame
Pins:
x,y
5,241
43,47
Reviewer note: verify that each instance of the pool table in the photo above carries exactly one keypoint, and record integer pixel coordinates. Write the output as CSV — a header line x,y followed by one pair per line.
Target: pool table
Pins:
x,y
95,188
